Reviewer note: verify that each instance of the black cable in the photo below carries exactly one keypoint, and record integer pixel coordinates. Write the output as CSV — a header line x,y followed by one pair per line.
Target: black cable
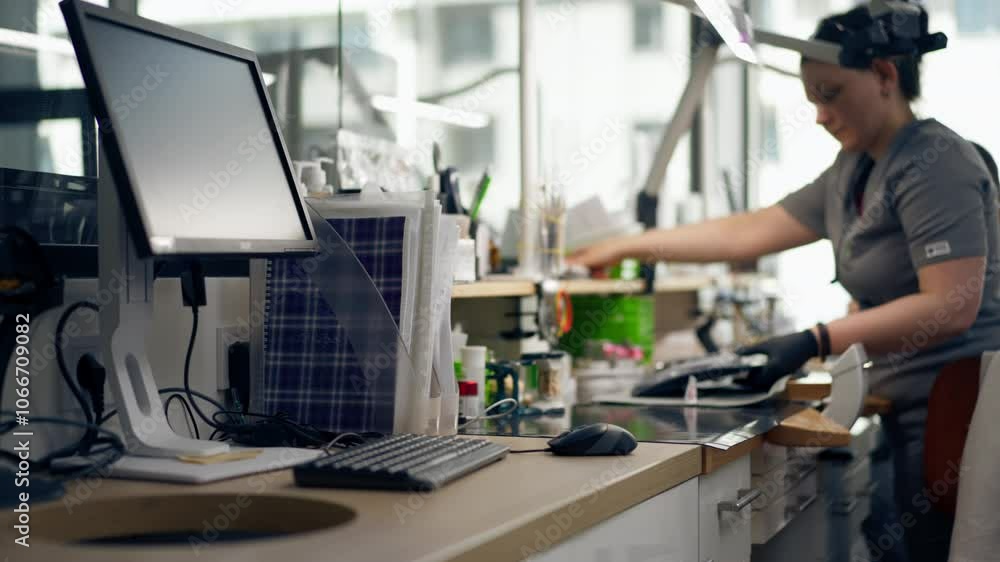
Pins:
x,y
187,371
114,442
310,434
187,410
229,429
531,451
61,360
168,390
202,395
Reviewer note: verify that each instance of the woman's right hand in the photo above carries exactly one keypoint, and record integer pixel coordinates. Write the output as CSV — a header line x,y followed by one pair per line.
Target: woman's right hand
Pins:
x,y
600,255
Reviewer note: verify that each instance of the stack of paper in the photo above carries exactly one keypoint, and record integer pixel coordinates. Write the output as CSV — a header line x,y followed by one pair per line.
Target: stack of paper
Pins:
x,y
312,369
589,222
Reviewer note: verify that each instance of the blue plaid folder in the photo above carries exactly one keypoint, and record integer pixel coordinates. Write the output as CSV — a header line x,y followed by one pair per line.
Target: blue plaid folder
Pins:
x,y
310,370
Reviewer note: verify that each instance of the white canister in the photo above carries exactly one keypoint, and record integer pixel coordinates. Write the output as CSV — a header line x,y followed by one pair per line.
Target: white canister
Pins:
x,y
474,369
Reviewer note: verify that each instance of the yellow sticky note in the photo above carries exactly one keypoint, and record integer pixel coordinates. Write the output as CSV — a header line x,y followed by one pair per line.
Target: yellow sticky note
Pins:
x,y
221,457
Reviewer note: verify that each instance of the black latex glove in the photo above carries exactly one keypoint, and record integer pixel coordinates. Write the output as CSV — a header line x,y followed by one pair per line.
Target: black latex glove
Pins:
x,y
785,355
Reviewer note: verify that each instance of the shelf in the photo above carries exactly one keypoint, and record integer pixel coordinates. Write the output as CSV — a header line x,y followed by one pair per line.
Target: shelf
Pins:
x,y
683,283
494,289
497,288
602,287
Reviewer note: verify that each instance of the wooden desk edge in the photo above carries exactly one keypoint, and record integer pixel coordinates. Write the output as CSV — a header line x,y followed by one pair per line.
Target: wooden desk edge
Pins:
x,y
509,542
617,489
713,459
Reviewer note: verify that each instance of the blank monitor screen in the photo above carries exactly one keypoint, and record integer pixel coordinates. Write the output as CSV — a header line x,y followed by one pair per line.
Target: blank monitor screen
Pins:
x,y
201,155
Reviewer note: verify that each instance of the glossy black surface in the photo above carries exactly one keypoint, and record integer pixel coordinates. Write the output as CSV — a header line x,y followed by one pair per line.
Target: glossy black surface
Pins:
x,y
720,427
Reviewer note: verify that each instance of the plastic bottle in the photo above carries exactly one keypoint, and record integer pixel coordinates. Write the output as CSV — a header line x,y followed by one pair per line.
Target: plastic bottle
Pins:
x,y
468,399
474,369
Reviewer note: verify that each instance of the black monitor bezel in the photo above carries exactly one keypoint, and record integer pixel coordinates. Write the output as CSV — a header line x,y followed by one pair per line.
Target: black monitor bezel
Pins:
x,y
76,14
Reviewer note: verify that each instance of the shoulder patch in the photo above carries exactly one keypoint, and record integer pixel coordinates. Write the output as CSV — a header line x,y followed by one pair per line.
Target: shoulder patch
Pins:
x,y
937,249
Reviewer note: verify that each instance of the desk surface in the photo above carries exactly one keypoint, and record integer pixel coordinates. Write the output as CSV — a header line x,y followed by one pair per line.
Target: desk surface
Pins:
x,y
719,428
491,514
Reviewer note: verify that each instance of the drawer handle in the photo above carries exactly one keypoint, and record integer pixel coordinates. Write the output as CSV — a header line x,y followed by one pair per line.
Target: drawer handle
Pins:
x,y
844,507
795,477
745,498
804,503
869,490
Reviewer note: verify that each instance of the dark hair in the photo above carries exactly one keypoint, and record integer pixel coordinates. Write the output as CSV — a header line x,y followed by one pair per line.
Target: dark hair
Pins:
x,y
838,27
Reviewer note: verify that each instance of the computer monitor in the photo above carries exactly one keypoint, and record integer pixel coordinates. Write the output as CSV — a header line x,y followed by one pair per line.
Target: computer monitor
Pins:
x,y
190,137
193,166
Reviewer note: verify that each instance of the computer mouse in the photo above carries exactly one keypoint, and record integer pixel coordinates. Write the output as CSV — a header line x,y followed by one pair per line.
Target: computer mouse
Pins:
x,y
594,440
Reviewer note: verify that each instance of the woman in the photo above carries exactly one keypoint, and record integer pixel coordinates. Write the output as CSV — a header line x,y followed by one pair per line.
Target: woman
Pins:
x,y
912,214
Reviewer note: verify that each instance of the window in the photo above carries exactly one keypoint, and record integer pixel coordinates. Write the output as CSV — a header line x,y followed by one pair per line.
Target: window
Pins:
x,y
45,119
770,148
295,42
811,10
466,33
645,139
789,151
647,25
977,16
474,148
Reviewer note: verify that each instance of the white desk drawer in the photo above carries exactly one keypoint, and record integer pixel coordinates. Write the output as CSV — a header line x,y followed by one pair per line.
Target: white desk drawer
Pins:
x,y
802,540
767,457
774,514
660,528
724,502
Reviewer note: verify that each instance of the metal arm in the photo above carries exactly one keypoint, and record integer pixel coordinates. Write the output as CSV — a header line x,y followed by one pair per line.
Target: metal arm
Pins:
x,y
701,70
822,51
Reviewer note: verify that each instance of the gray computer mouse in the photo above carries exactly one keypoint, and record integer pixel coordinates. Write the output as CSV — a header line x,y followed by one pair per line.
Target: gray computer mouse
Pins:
x,y
594,440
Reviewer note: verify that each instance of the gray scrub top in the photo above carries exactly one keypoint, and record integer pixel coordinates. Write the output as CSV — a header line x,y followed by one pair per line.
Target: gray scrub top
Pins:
x,y
930,199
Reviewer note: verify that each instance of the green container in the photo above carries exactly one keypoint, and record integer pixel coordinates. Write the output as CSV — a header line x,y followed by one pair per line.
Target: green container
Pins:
x,y
618,319
627,270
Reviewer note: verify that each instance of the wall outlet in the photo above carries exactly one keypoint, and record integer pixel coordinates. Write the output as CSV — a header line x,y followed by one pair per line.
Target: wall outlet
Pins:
x,y
76,348
225,336
79,346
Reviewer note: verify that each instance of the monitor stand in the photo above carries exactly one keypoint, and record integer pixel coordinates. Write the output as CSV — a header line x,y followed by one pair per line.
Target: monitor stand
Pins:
x,y
126,302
